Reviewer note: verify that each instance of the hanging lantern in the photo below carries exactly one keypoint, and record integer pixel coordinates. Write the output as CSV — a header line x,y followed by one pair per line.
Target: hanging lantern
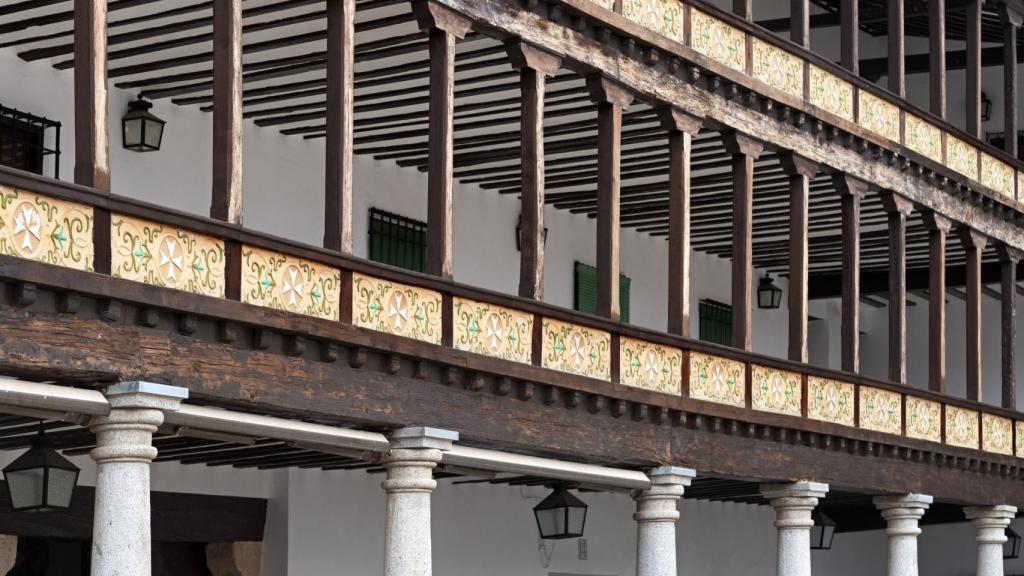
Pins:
x,y
140,129
41,479
769,296
823,531
561,515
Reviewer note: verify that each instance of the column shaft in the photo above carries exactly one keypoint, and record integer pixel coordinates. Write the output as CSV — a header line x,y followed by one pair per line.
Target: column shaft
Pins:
x,y
990,524
793,505
902,514
656,517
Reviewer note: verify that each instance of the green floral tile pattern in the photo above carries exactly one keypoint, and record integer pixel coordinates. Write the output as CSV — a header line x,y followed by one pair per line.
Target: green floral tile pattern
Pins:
x,y
961,427
718,40
778,68
46,230
717,380
291,284
924,419
879,116
493,330
1019,426
396,308
650,366
577,349
996,434
924,138
160,255
662,16
880,410
776,391
830,93
997,175
830,401
962,157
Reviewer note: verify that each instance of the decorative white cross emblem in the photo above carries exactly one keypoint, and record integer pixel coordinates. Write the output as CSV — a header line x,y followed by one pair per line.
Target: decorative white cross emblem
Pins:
x,y
717,379
576,349
398,311
28,223
651,365
494,333
831,402
293,286
775,388
170,259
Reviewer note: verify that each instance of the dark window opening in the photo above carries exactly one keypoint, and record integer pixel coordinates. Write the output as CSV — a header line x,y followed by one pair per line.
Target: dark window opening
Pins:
x,y
585,292
716,322
23,140
398,241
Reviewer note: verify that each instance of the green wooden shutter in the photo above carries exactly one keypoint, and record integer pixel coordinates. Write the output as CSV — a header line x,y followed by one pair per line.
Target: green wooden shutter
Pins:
x,y
585,293
398,241
716,322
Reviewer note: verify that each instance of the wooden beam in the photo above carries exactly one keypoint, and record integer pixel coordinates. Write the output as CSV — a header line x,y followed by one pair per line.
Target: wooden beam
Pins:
x,y
898,208
744,150
226,204
611,98
973,83
534,65
800,171
974,244
92,146
849,14
937,57
852,192
800,27
682,127
1011,20
897,50
1009,259
938,229
341,39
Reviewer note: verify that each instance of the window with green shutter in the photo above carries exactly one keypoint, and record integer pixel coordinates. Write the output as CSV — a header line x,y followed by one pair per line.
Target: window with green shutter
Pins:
x,y
585,292
716,322
398,241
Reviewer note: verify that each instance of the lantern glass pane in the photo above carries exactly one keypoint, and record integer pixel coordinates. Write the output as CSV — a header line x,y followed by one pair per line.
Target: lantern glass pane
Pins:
x,y
154,130
776,298
133,132
26,487
551,522
577,516
61,486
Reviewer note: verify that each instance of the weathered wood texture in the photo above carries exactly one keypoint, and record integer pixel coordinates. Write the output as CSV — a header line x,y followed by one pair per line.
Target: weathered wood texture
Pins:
x,y
897,50
681,127
92,142
800,22
849,15
1011,20
899,209
974,244
1009,260
938,229
226,203
937,57
744,150
973,83
800,172
852,193
341,38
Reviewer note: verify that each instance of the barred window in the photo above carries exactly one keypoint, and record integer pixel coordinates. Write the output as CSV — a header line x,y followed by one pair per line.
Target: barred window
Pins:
x,y
715,322
585,293
23,140
397,240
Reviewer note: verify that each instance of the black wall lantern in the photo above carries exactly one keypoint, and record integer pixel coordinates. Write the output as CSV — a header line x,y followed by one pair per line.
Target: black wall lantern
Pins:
x,y
140,129
1011,549
561,515
823,532
769,296
519,234
41,479
986,107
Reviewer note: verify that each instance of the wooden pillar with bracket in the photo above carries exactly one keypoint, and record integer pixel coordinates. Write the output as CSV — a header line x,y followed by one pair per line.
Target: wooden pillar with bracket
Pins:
x,y
937,57
974,245
938,228
898,208
800,171
973,83
341,40
1009,259
744,150
852,191
226,202
1011,18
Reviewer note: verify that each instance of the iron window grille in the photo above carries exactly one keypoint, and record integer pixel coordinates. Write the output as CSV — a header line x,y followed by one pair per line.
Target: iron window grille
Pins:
x,y
23,139
397,240
715,322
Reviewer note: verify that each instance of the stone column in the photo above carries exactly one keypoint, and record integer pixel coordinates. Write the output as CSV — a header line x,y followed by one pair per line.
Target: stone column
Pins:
x,y
414,454
124,450
990,522
793,505
656,517
901,514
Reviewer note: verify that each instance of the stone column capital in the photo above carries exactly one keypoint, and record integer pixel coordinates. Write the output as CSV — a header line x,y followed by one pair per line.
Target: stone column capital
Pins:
x,y
415,452
991,522
658,503
902,512
136,411
794,502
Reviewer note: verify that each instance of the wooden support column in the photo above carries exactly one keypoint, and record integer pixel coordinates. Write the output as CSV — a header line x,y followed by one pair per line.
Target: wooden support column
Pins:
x,y
1011,19
849,18
744,9
682,127
341,39
611,98
1009,259
897,50
227,111
744,150
937,57
534,66
973,20
444,27
800,171
851,191
898,208
974,245
800,22
938,229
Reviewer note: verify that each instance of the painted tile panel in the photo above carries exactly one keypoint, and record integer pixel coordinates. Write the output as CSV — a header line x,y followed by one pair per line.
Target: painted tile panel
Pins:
x,y
718,40
924,138
493,330
395,308
291,284
650,366
830,401
881,410
997,175
1020,184
961,427
606,4
576,349
830,93
718,379
879,116
778,68
662,16
165,256
996,434
924,419
776,391
45,229
1019,426
961,157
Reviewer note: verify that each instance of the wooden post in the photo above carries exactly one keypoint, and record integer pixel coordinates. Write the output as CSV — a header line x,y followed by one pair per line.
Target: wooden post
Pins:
x,y
973,22
897,51
898,208
800,171
534,66
974,245
682,127
744,150
444,27
1011,20
611,99
849,18
1009,259
800,26
852,191
937,57
938,229
744,9
227,111
341,15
